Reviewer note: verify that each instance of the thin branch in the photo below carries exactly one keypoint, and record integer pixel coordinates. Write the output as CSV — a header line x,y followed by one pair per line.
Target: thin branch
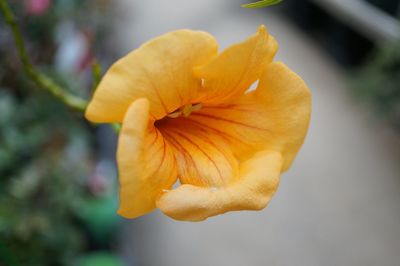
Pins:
x,y
41,80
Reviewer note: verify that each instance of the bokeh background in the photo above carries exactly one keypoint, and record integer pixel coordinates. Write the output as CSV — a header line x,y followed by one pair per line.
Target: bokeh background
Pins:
x,y
338,205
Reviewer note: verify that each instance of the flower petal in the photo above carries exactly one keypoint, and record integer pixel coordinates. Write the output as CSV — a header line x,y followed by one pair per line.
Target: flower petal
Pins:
x,y
259,179
287,102
274,117
161,70
146,163
236,68
203,159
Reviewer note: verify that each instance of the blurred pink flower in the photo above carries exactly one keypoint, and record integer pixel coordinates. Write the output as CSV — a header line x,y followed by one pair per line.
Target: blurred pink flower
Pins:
x,y
98,183
37,7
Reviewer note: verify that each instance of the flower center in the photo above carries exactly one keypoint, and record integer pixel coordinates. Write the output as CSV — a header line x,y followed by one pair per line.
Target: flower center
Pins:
x,y
185,110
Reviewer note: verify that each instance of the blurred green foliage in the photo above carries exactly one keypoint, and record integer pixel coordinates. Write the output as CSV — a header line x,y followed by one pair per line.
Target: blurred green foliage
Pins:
x,y
52,209
43,154
378,82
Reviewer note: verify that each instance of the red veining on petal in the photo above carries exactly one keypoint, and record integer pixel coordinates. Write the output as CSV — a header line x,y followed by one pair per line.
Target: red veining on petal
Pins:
x,y
184,152
155,138
162,158
161,101
202,151
229,121
222,134
204,138
156,91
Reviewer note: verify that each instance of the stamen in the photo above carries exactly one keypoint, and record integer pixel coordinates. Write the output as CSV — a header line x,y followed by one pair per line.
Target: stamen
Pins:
x,y
175,114
185,110
197,107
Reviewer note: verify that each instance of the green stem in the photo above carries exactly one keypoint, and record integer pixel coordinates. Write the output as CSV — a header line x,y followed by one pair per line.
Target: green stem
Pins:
x,y
116,127
96,74
41,80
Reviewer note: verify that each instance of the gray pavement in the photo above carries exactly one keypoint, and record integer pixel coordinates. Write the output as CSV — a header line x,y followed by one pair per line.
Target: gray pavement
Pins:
x,y
340,202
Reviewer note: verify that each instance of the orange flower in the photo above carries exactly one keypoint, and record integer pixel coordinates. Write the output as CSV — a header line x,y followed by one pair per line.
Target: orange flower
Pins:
x,y
186,113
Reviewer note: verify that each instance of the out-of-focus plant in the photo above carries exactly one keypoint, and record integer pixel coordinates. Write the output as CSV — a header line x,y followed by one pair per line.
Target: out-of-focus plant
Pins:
x,y
378,82
56,203
42,175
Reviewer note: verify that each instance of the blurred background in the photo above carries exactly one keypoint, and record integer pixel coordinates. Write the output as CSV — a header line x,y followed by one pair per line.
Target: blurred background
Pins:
x,y
338,205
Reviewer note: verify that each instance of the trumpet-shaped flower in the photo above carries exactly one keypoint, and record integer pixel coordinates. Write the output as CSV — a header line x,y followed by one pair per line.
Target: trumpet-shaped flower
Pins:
x,y
187,113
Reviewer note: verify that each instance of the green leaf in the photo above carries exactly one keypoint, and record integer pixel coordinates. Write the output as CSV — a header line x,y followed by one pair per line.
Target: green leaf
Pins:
x,y
262,3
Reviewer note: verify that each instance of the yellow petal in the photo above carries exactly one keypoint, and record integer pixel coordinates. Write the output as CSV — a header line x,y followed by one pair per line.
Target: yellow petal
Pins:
x,y
145,162
203,158
274,117
161,70
236,68
287,102
259,179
